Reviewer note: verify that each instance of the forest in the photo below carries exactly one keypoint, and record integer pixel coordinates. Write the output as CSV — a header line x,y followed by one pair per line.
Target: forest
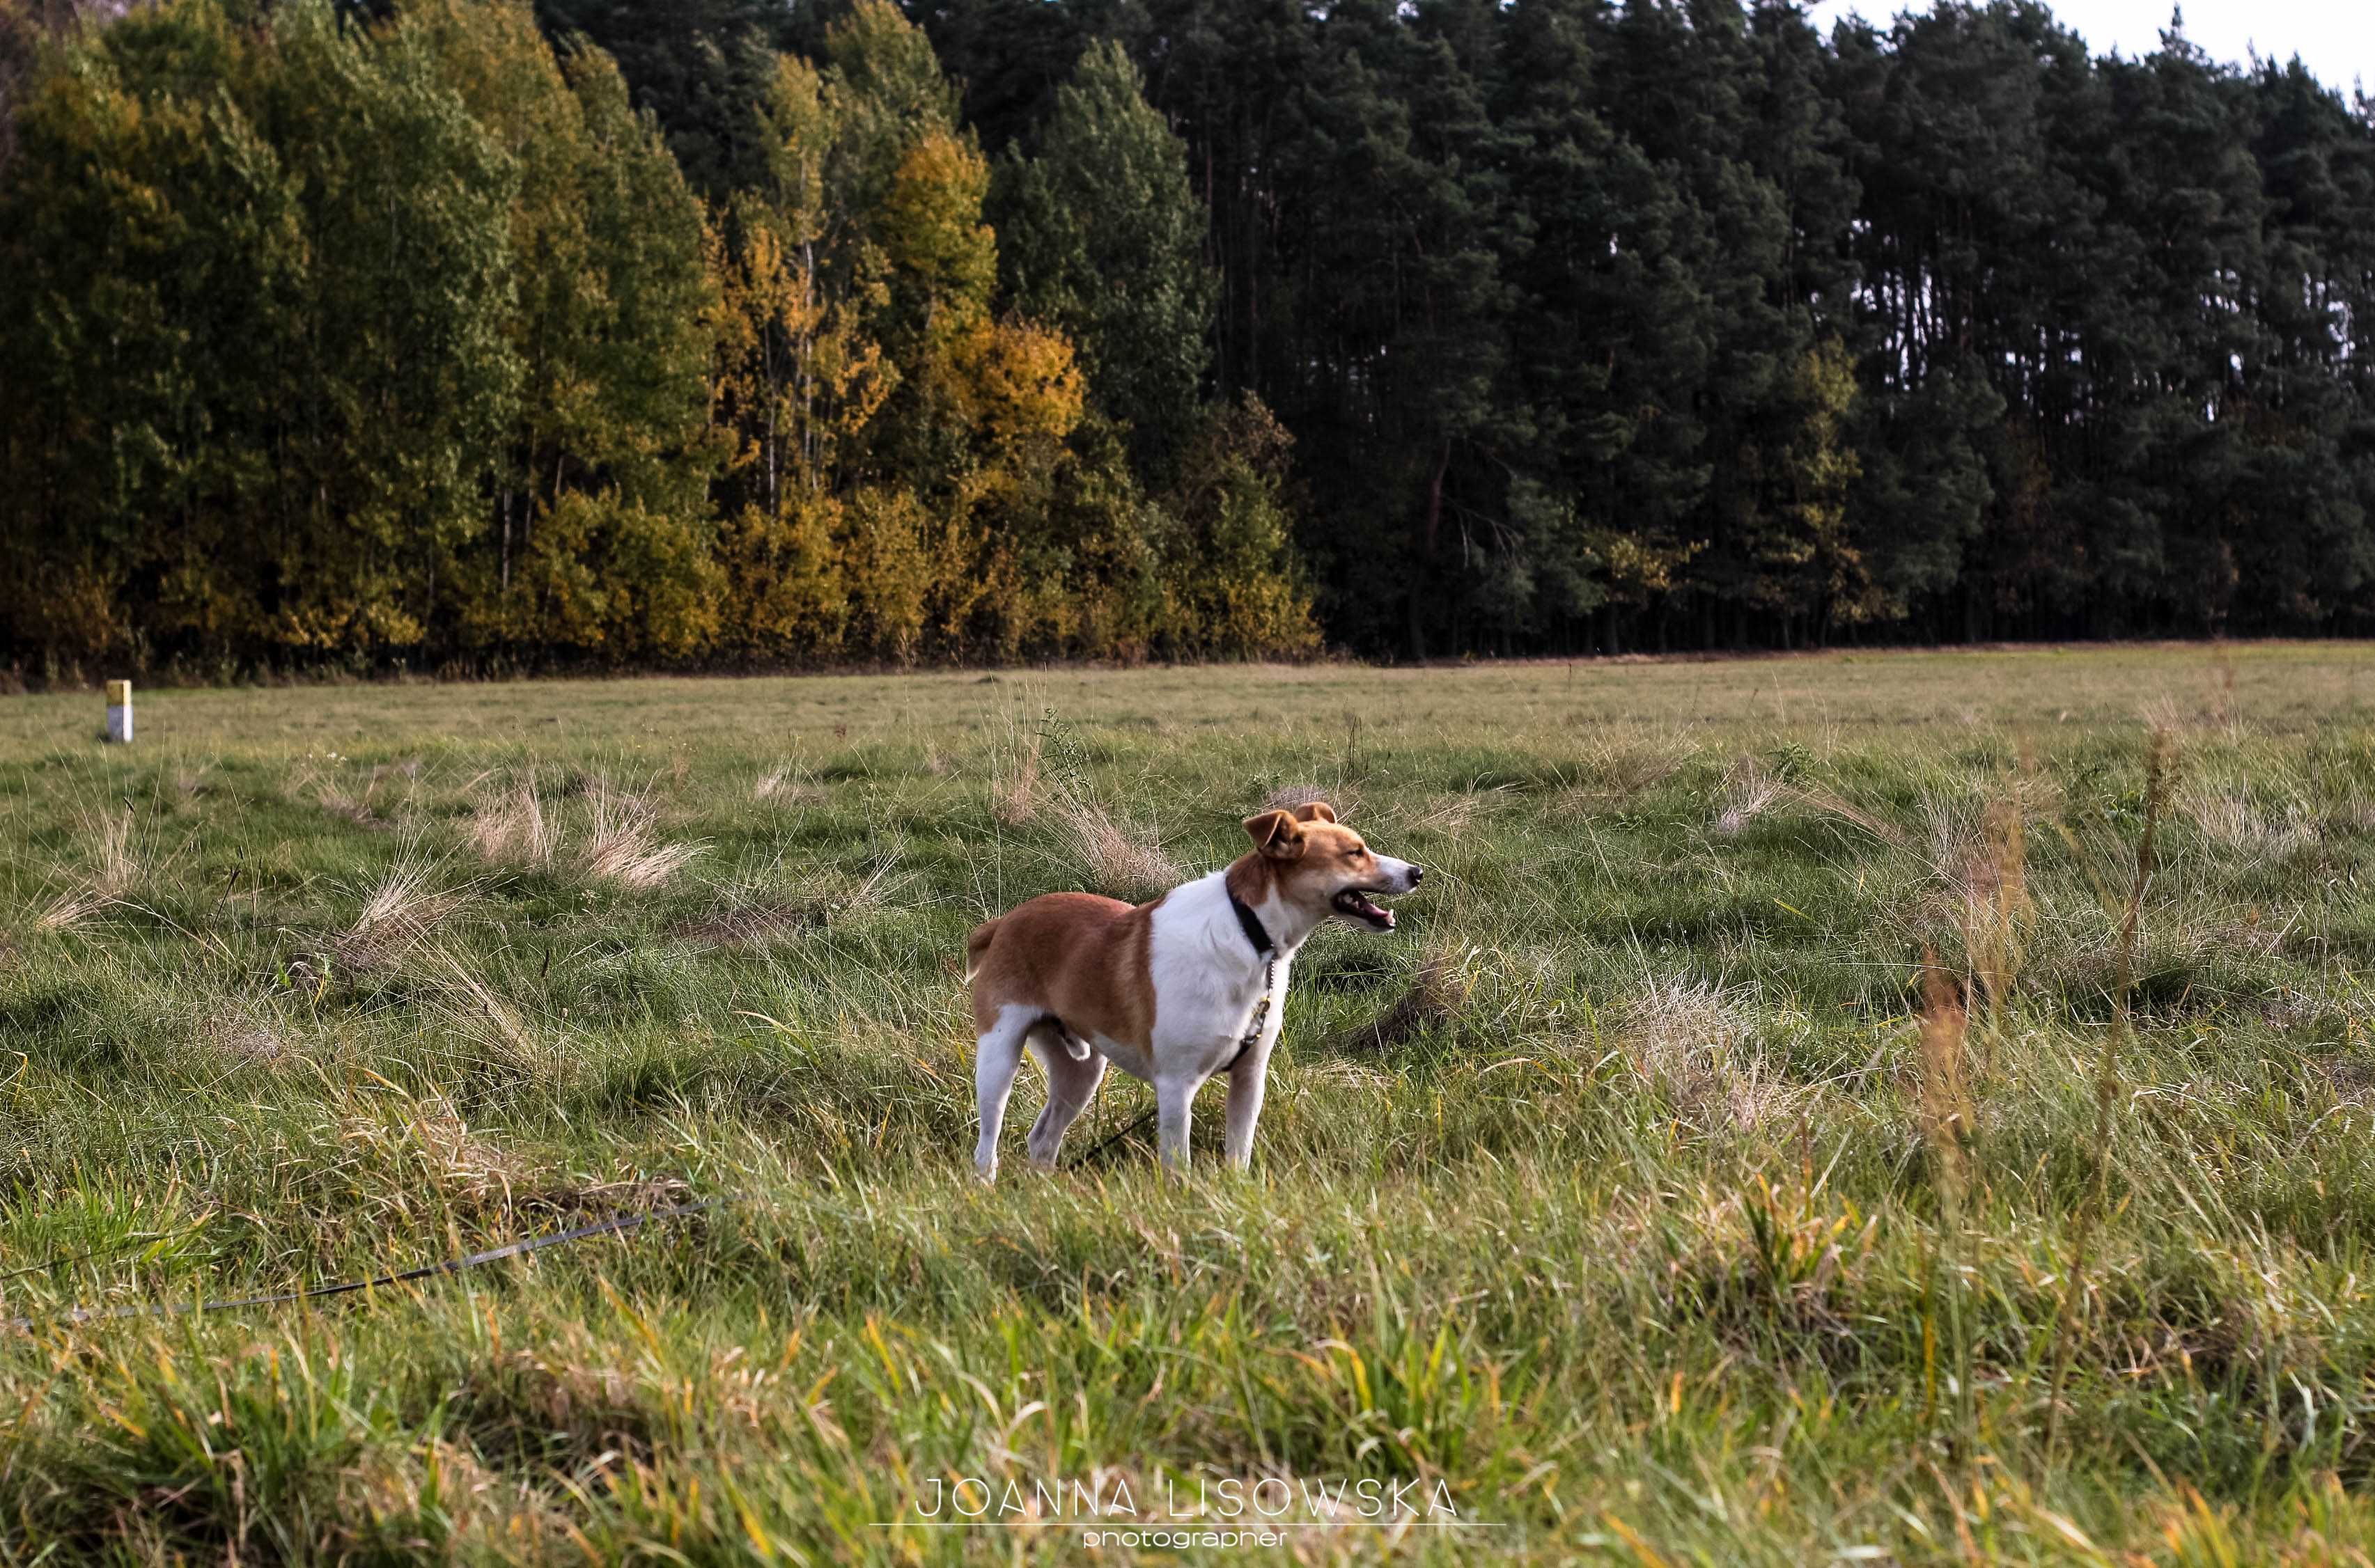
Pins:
x,y
474,335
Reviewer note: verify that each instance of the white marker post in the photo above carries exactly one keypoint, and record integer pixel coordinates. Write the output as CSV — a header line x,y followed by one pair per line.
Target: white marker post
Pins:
x,y
119,711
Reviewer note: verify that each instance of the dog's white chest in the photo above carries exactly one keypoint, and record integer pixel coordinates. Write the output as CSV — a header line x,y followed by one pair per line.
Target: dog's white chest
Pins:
x,y
1208,981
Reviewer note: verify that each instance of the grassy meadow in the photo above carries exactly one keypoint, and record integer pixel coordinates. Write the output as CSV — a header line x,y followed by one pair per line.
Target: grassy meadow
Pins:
x,y
1640,1192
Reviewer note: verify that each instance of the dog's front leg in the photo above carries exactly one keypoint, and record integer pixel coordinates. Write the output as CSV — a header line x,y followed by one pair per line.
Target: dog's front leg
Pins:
x,y
1175,1105
1248,1080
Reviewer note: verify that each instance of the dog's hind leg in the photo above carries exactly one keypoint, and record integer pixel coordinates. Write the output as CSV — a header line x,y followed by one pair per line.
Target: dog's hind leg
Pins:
x,y
996,1054
1071,1084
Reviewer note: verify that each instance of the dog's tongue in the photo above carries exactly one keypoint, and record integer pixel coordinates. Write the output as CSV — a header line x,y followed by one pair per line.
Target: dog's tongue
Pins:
x,y
1369,909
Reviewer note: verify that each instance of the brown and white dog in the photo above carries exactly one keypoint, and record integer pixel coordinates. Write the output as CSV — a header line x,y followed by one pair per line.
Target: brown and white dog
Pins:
x,y
1174,991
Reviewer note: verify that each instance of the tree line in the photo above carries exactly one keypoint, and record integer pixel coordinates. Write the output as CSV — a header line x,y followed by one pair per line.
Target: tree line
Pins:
x,y
329,337
731,330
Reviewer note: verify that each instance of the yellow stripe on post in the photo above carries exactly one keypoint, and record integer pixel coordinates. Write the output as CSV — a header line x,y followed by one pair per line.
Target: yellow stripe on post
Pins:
x,y
119,713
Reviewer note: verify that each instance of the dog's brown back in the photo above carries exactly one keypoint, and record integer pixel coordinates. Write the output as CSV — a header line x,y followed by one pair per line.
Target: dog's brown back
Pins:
x,y
1081,958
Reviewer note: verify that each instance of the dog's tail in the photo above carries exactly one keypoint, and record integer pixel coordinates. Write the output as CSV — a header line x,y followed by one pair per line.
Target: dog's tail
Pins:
x,y
977,946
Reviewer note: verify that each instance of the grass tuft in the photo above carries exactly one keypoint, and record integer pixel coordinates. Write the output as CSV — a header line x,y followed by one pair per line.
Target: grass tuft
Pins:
x,y
432,1149
1437,996
508,825
398,915
1016,788
1748,795
1121,859
115,869
473,1009
245,1033
622,841
1346,802
1698,1042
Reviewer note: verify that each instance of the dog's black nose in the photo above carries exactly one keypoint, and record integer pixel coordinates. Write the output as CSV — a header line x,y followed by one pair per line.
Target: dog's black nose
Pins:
x,y
1418,874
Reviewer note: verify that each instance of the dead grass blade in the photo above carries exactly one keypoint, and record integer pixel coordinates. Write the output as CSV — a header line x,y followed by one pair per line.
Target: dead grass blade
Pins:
x,y
1997,915
1945,1105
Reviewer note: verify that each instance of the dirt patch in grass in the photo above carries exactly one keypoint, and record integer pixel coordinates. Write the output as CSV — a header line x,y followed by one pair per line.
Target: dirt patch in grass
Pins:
x,y
753,925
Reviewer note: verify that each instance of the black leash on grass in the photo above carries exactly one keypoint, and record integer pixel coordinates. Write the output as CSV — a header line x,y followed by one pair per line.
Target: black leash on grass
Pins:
x,y
1139,1126
616,1224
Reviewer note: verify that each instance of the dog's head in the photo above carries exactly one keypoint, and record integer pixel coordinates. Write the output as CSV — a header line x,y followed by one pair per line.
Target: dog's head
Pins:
x,y
1324,868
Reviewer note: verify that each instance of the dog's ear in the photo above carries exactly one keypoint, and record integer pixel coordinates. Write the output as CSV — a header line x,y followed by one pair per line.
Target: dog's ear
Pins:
x,y
1315,811
1276,833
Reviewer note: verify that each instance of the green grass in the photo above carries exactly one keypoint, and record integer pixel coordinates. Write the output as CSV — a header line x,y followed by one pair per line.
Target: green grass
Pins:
x,y
1604,1194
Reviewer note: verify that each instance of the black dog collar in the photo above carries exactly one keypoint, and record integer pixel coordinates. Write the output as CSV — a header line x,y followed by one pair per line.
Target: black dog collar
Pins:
x,y
1249,922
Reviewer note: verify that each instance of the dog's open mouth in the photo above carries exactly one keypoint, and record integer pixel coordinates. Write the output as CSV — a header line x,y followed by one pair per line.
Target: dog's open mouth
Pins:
x,y
1361,904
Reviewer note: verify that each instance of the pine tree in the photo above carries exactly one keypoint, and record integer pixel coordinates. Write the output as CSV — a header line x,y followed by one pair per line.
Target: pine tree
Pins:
x,y
1102,237
700,67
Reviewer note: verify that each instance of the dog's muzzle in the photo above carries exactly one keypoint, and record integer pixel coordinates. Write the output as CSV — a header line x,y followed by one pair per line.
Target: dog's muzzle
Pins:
x,y
1361,904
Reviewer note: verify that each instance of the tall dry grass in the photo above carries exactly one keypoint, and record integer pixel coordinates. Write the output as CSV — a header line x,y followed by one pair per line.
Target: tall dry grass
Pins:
x,y
623,842
1700,1043
1017,753
1122,858
1944,1106
1750,792
475,1011
786,784
398,915
508,825
116,866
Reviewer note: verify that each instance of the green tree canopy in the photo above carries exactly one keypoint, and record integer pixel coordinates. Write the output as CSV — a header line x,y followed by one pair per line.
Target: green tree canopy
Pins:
x,y
1101,236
